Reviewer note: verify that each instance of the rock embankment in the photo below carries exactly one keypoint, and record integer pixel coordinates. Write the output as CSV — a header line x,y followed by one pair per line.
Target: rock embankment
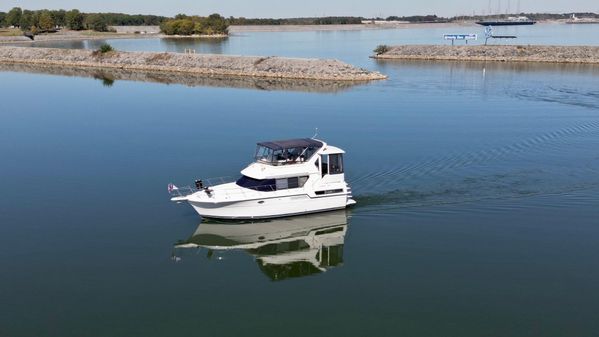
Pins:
x,y
202,64
502,53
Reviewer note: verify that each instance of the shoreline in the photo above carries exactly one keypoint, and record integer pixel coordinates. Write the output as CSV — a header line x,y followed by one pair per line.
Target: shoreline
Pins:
x,y
199,64
100,36
494,53
153,32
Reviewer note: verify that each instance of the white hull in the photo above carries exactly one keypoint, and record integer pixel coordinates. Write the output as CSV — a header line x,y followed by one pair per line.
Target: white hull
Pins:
x,y
271,206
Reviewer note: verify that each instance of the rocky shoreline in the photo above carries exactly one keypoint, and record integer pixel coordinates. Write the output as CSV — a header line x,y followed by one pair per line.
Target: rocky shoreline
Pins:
x,y
499,53
199,64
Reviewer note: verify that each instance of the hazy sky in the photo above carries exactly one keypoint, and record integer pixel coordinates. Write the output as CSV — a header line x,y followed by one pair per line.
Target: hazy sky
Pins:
x,y
281,8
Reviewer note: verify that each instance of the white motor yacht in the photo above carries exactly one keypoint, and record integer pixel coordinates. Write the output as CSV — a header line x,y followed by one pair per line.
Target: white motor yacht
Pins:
x,y
288,177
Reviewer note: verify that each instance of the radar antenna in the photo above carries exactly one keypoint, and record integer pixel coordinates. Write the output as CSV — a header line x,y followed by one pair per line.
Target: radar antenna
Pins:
x,y
315,133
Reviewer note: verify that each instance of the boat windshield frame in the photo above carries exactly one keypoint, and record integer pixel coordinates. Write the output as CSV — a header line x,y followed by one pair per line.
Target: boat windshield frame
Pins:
x,y
287,152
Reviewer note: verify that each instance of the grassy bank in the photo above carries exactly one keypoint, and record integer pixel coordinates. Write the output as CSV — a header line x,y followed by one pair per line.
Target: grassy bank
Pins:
x,y
10,32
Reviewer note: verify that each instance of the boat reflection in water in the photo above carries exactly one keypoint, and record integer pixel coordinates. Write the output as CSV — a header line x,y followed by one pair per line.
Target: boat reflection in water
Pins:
x,y
284,248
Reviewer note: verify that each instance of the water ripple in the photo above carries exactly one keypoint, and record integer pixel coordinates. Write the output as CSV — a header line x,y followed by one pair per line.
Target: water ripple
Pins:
x,y
389,186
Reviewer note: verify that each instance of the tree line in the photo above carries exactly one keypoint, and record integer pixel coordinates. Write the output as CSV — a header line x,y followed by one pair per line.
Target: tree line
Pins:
x,y
532,16
47,20
181,24
327,20
419,19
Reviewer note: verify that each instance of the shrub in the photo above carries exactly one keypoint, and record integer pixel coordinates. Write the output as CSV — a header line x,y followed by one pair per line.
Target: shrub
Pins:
x,y
381,49
105,48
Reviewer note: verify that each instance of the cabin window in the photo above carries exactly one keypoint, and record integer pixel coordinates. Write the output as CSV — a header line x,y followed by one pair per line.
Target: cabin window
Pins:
x,y
339,190
309,152
336,163
282,184
264,154
324,164
293,182
264,185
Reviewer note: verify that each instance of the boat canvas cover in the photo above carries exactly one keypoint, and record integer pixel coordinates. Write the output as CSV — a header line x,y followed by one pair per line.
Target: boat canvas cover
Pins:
x,y
291,143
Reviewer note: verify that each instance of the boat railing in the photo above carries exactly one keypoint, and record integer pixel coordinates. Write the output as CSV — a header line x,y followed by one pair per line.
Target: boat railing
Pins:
x,y
200,184
281,162
227,192
218,180
232,192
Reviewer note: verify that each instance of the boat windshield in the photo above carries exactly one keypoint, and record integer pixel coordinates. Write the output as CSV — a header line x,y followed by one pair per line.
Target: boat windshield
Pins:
x,y
286,152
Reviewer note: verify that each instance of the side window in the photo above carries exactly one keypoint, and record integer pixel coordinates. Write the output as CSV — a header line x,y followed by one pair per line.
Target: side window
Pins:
x,y
293,182
282,184
324,164
336,163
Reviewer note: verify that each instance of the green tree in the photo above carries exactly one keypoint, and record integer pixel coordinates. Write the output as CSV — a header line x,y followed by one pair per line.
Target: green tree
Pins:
x,y
178,27
96,22
13,17
216,23
2,19
28,20
59,17
74,20
45,21
381,49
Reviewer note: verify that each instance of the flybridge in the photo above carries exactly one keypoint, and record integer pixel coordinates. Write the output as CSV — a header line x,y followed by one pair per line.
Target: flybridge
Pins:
x,y
283,152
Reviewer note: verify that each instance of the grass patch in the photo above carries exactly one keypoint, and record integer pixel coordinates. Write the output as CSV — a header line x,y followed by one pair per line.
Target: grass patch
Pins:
x,y
94,33
10,32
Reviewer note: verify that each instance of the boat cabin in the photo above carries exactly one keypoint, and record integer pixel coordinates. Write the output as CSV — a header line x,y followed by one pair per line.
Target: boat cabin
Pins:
x,y
273,169
285,152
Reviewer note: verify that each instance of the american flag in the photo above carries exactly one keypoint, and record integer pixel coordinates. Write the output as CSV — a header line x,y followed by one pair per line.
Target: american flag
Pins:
x,y
171,188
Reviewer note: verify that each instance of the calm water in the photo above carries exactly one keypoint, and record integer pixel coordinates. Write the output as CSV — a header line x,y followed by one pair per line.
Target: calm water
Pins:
x,y
477,188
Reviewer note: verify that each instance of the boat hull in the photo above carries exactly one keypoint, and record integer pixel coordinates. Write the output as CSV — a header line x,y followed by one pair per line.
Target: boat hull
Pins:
x,y
273,207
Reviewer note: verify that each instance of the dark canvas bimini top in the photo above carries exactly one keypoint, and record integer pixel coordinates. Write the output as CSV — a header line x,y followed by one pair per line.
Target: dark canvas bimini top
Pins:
x,y
291,143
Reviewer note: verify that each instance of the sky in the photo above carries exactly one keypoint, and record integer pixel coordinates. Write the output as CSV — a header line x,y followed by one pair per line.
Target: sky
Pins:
x,y
308,8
